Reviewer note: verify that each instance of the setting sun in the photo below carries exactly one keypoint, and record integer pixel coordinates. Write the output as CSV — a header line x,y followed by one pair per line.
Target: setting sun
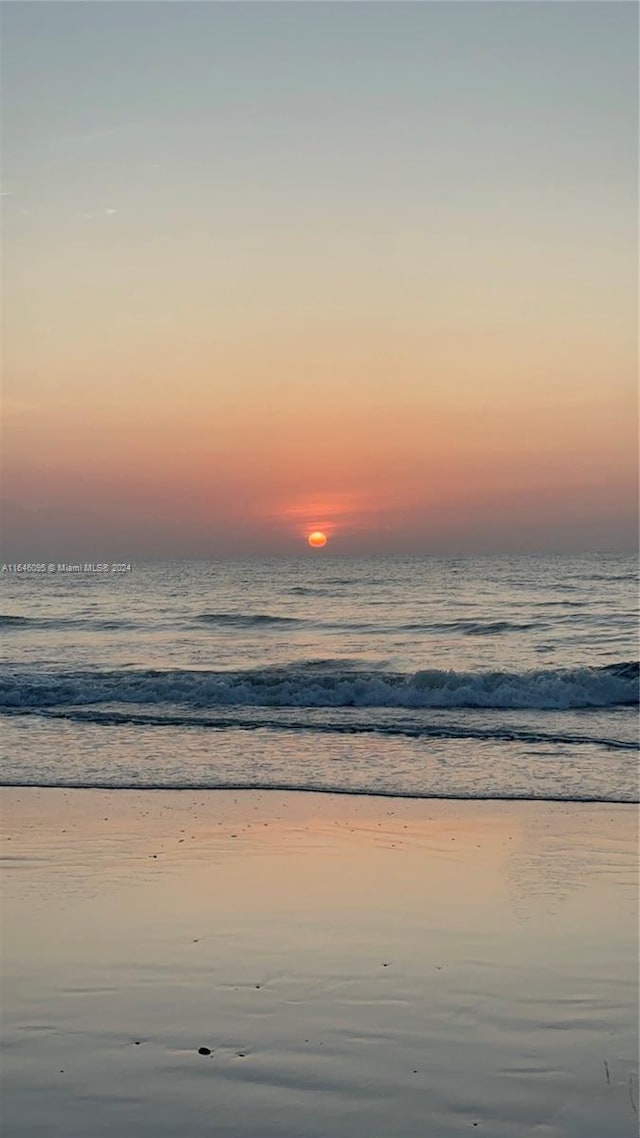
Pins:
x,y
317,539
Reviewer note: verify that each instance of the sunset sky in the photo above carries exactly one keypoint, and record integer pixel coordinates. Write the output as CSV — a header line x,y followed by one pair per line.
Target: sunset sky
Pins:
x,y
368,268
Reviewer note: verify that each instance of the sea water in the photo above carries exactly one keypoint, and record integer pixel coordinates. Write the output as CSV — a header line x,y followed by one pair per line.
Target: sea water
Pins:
x,y
507,677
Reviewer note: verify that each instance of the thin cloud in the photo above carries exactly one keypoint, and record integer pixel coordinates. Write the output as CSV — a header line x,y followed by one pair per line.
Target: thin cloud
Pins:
x,y
97,215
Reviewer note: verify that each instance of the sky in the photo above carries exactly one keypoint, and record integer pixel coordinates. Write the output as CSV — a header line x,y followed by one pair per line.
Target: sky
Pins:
x,y
368,268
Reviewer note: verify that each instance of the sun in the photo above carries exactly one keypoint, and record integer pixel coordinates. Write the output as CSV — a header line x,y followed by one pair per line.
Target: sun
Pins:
x,y
317,539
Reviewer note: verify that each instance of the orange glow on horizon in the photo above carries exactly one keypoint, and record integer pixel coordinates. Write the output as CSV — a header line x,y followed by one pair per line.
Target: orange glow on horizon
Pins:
x,y
317,539
327,513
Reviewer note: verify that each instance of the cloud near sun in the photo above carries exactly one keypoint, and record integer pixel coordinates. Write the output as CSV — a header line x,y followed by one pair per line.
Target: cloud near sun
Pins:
x,y
328,515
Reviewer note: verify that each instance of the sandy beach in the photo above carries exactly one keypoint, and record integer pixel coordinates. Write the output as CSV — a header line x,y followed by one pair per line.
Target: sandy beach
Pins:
x,y
354,965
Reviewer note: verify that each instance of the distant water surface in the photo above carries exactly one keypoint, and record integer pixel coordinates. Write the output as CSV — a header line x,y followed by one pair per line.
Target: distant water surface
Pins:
x,y
511,677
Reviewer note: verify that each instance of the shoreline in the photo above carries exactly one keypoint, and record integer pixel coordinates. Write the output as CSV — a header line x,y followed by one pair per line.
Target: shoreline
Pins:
x,y
338,792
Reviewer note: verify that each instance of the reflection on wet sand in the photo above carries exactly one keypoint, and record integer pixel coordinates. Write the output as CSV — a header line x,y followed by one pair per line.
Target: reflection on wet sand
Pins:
x,y
354,966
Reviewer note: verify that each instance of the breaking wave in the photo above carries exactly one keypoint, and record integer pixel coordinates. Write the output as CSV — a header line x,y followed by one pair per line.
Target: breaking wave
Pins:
x,y
316,685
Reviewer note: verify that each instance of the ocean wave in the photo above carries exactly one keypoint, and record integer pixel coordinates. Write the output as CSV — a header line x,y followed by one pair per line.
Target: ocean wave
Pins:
x,y
413,729
608,576
266,621
316,686
328,586
310,591
42,623
475,627
559,604
246,620
354,581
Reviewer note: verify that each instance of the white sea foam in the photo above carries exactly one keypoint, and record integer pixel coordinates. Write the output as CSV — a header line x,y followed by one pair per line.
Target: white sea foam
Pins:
x,y
315,686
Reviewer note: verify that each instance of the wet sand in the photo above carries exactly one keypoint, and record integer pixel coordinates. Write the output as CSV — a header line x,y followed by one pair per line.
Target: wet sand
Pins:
x,y
361,967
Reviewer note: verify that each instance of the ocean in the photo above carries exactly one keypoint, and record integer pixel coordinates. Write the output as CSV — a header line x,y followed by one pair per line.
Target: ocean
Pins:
x,y
510,677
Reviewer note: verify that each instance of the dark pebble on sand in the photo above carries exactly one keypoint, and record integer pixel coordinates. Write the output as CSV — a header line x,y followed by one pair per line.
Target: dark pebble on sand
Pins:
x,y
204,1051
